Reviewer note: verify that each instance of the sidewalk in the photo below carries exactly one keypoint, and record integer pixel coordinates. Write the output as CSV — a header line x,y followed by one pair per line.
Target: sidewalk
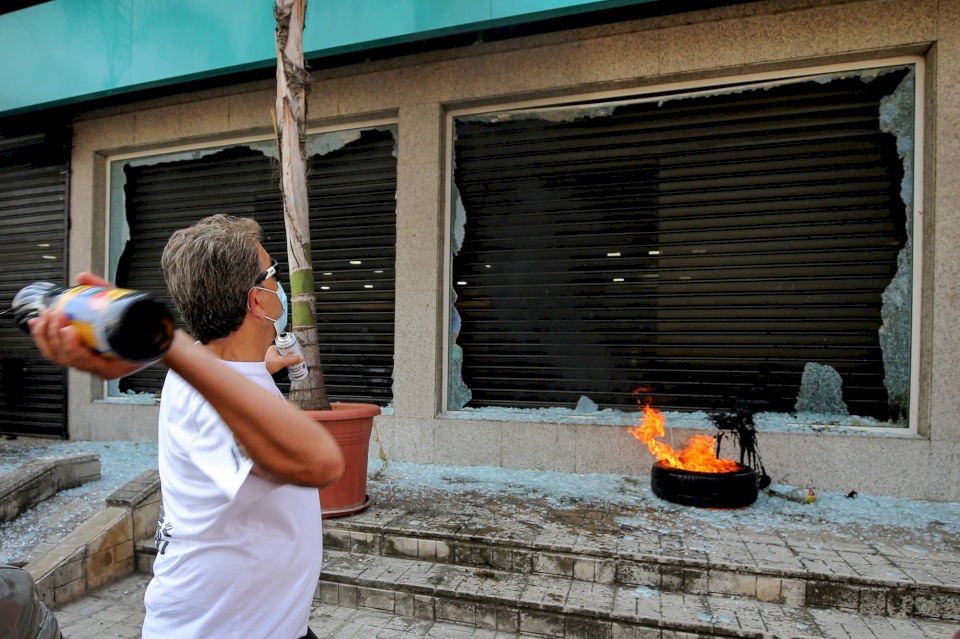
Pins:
x,y
857,546
117,611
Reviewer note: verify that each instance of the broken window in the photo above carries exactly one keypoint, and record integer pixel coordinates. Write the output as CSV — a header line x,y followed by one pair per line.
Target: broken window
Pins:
x,y
352,184
747,247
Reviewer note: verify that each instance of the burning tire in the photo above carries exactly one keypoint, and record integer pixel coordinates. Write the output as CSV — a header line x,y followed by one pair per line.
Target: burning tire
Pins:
x,y
735,489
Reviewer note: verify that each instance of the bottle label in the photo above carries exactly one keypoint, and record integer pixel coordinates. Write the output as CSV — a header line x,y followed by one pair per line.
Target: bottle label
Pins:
x,y
83,306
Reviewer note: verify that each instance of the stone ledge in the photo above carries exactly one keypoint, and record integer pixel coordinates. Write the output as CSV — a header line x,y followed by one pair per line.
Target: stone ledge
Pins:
x,y
140,490
42,478
863,594
141,496
568,608
97,552
857,595
103,548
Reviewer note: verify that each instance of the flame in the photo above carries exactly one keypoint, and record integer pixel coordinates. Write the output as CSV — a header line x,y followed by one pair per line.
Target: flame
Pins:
x,y
698,454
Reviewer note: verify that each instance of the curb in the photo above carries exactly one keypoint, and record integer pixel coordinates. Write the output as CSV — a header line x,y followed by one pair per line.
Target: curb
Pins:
x,y
42,478
609,565
102,549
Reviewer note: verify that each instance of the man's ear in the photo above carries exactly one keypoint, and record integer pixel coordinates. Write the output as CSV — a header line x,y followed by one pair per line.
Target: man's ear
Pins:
x,y
253,304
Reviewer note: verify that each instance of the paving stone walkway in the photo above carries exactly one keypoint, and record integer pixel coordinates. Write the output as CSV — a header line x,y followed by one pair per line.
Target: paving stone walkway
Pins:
x,y
619,536
421,514
117,611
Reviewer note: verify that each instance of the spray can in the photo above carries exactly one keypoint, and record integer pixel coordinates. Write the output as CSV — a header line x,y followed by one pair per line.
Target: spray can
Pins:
x,y
115,322
803,495
799,495
287,344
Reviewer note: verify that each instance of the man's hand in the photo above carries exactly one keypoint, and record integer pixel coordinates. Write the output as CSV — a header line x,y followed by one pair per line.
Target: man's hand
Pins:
x,y
275,361
60,342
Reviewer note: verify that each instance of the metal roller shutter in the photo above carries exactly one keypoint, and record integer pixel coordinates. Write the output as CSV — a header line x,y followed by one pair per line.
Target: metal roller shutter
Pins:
x,y
700,249
34,178
352,218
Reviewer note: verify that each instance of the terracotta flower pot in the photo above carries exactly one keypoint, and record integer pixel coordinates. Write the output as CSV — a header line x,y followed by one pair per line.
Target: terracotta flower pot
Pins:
x,y
350,425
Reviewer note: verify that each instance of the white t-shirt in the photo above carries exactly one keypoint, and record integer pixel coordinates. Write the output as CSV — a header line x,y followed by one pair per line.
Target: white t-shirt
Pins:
x,y
238,556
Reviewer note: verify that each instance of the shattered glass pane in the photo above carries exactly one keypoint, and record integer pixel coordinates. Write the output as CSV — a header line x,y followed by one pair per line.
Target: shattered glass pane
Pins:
x,y
897,117
864,329
821,391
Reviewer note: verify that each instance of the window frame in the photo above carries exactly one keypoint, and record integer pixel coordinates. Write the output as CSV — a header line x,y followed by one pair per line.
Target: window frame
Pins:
x,y
686,89
115,224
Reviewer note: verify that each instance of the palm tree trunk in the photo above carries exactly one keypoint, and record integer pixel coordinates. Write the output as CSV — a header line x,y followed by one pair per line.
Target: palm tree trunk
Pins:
x,y
290,122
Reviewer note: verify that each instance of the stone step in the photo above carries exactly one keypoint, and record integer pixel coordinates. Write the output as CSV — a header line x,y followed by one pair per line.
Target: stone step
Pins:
x,y
907,587
39,479
626,564
553,606
337,622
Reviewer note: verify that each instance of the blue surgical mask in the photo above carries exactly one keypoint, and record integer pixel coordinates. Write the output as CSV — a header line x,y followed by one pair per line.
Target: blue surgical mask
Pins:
x,y
281,322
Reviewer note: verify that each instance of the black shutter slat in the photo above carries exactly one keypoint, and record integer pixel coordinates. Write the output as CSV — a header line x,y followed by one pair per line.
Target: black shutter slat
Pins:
x,y
756,232
34,171
353,217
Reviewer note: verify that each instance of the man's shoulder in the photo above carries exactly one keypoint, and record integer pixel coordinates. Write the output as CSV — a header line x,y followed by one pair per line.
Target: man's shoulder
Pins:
x,y
178,398
173,383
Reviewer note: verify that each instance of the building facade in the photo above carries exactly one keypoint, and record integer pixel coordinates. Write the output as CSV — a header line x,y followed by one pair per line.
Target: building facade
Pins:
x,y
742,209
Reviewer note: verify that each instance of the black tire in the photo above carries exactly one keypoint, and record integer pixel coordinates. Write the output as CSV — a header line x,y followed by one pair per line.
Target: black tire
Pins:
x,y
736,489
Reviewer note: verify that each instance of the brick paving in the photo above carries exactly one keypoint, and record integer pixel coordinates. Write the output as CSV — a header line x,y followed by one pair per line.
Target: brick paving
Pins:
x,y
458,552
543,605
117,611
437,563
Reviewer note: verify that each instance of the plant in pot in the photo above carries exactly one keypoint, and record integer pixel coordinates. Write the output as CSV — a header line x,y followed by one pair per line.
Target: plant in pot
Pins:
x,y
349,423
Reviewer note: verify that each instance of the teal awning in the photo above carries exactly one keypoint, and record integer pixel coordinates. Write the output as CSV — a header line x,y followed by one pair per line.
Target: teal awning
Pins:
x,y
66,51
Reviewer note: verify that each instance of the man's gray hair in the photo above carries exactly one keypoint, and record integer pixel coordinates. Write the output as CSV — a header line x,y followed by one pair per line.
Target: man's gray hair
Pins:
x,y
210,268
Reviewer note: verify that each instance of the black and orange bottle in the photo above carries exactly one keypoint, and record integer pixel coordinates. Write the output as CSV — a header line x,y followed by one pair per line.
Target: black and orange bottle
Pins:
x,y
116,322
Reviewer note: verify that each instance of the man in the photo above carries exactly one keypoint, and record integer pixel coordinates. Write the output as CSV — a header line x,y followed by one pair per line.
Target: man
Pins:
x,y
239,537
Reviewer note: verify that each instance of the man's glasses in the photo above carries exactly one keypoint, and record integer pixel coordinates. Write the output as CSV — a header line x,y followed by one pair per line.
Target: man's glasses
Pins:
x,y
273,271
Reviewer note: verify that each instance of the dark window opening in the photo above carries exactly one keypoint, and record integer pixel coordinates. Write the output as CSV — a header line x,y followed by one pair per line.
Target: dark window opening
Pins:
x,y
352,218
34,204
702,250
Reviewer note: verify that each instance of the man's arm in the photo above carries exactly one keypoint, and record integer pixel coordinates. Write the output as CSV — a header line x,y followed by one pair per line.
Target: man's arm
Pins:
x,y
281,440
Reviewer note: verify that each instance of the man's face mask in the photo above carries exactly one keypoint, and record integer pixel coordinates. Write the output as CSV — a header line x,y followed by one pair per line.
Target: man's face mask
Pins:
x,y
280,323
